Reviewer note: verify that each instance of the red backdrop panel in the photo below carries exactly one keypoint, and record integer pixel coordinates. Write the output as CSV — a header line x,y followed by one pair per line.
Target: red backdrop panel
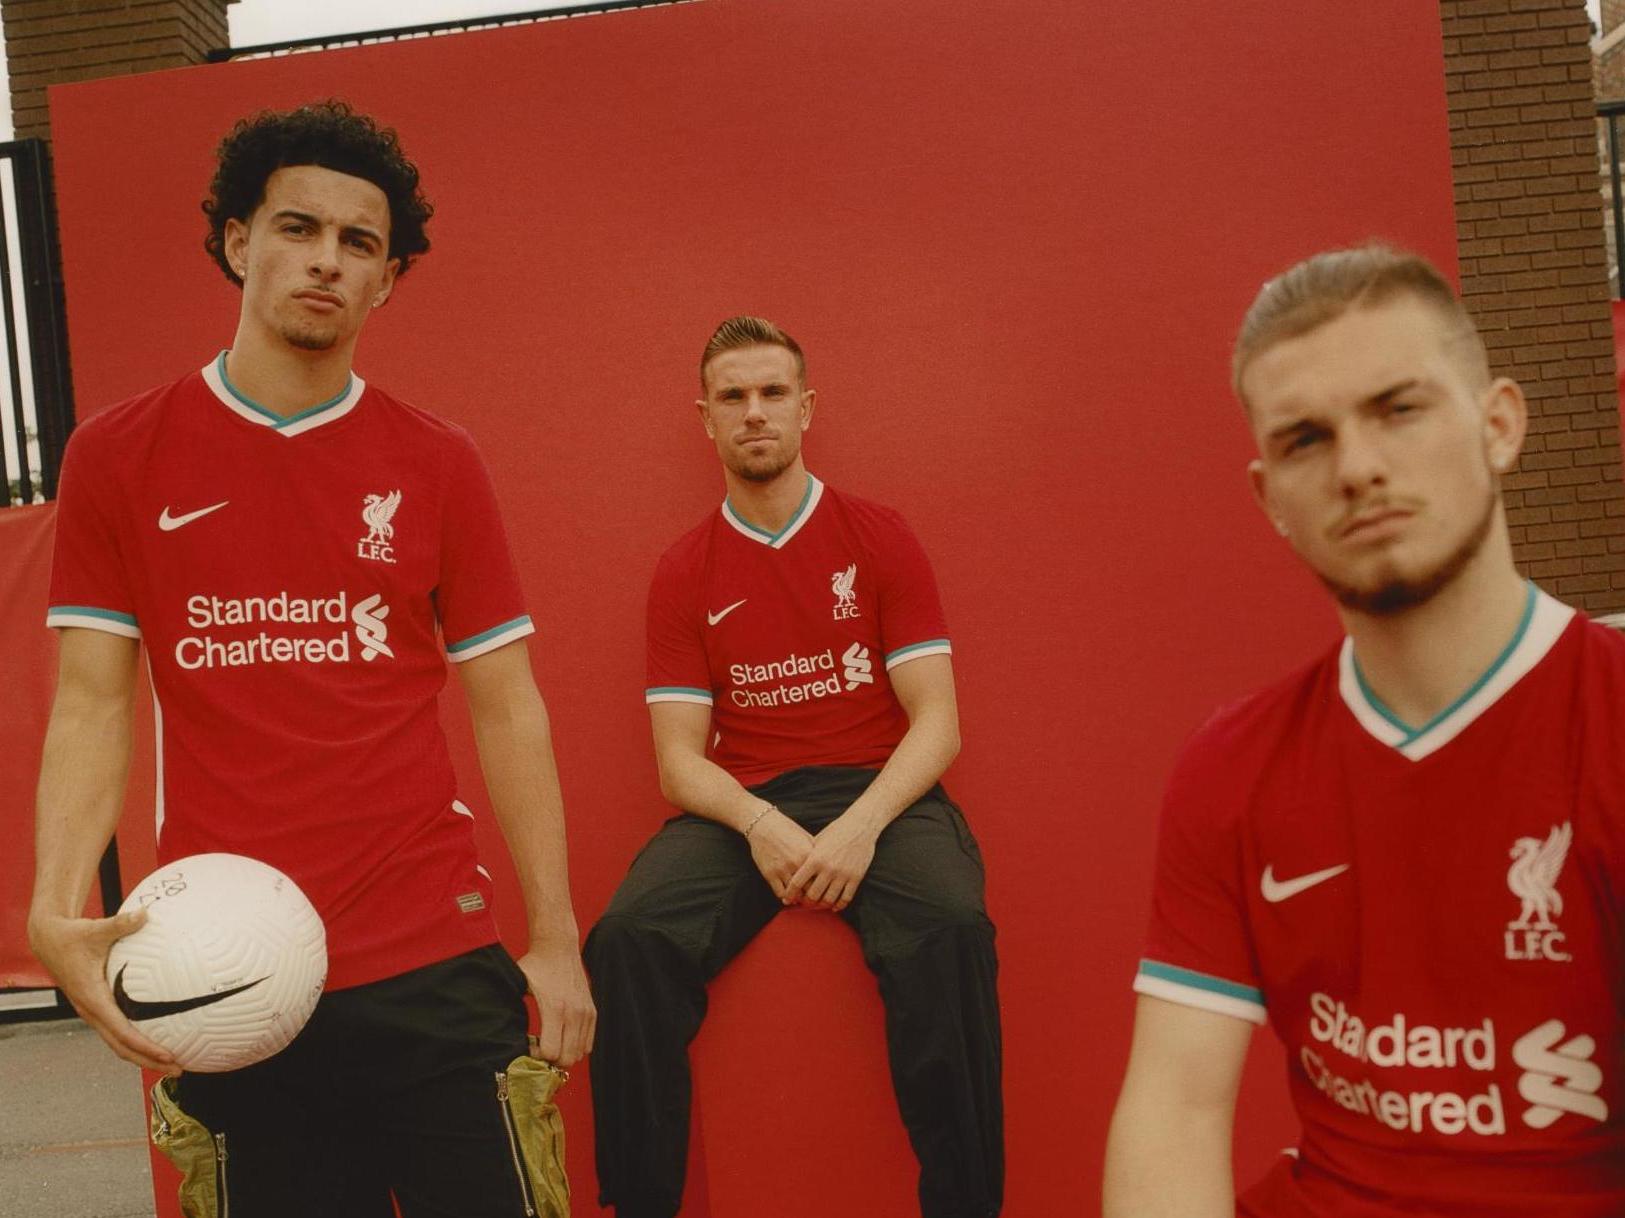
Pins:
x,y
1015,240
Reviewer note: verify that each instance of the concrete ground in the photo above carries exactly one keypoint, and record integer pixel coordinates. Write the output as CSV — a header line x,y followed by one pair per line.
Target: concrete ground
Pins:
x,y
72,1131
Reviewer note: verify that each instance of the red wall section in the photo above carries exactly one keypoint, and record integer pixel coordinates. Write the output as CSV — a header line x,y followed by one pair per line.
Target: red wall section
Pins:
x,y
1014,238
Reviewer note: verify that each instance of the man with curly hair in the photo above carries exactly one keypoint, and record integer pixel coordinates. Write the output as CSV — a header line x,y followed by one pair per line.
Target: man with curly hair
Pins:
x,y
295,548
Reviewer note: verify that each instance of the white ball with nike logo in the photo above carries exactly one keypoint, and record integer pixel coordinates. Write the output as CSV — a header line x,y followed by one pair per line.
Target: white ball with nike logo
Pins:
x,y
229,965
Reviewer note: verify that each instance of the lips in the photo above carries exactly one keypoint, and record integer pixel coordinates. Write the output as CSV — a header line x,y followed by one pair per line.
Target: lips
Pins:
x,y
314,296
1371,521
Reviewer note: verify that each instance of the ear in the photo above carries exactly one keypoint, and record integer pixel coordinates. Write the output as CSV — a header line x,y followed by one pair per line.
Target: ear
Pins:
x,y
1506,421
808,400
235,246
704,408
392,268
1258,480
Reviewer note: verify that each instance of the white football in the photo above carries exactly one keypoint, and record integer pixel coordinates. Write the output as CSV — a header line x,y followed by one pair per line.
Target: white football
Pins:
x,y
229,964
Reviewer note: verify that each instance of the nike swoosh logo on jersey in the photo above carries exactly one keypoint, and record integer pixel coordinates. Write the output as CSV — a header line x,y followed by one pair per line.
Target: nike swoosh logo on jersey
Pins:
x,y
134,1009
1275,890
714,618
169,523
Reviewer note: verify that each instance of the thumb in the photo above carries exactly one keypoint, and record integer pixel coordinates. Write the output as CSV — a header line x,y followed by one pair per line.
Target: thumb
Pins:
x,y
125,923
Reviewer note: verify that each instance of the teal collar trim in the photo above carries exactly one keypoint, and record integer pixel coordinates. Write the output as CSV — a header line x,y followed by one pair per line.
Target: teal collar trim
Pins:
x,y
804,510
1543,622
246,407
1412,734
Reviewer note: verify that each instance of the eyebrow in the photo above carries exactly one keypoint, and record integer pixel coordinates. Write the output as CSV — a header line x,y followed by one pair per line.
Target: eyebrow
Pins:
x,y
1303,424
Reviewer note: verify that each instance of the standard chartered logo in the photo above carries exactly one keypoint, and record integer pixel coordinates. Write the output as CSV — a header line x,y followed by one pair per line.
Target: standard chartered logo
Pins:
x,y
800,677
369,616
1558,1078
859,668
291,630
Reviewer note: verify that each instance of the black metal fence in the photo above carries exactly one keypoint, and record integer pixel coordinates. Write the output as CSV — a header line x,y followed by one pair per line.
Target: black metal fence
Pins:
x,y
1609,114
332,42
36,393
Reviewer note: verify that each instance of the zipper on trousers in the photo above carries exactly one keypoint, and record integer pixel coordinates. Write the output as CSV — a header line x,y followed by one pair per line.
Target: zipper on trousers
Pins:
x,y
513,1145
222,1195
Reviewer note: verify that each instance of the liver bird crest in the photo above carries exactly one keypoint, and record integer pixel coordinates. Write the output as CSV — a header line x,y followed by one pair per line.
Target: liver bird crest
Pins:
x,y
1533,875
377,512
841,583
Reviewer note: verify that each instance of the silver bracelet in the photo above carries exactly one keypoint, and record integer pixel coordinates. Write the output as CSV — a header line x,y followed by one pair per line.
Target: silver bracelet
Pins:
x,y
763,811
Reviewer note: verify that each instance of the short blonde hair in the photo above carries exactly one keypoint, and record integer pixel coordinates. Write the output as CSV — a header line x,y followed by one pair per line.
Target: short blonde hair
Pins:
x,y
1324,287
739,332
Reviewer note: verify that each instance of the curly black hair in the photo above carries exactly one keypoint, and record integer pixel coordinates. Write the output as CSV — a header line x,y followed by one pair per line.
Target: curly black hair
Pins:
x,y
329,134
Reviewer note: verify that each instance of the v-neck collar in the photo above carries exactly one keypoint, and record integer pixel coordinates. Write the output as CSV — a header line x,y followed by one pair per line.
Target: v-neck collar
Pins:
x,y
803,513
240,404
1544,620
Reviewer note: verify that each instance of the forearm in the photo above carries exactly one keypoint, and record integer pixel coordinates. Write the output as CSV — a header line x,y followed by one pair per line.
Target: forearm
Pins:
x,y
83,768
699,785
516,755
920,759
1165,1161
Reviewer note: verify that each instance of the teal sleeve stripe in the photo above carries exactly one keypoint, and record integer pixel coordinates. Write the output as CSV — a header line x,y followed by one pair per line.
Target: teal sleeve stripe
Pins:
x,y
677,689
127,619
1201,981
903,651
486,635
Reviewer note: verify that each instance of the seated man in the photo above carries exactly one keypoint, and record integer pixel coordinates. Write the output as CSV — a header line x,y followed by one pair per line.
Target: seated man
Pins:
x,y
807,769
1409,857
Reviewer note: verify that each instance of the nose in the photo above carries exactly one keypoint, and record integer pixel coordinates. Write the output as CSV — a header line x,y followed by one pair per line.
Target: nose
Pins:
x,y
753,407
324,257
1361,464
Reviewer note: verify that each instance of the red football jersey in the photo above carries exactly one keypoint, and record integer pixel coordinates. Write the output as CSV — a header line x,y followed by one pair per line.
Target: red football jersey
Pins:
x,y
290,580
1429,917
789,636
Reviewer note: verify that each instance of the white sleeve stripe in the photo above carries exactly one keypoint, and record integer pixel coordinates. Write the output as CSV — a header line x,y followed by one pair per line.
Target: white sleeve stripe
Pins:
x,y
64,617
1204,1000
677,695
501,638
938,647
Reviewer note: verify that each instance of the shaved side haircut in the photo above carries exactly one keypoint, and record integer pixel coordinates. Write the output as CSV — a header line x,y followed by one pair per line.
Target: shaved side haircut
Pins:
x,y
1324,287
739,332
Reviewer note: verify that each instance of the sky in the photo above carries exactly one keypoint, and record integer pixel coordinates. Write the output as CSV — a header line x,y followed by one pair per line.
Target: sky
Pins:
x,y
259,21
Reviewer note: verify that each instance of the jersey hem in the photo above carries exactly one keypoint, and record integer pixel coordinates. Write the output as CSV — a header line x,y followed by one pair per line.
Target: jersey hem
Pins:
x,y
678,693
1187,987
91,618
489,640
915,651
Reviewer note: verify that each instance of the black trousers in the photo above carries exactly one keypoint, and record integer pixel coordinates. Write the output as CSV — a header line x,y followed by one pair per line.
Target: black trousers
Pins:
x,y
693,899
391,1087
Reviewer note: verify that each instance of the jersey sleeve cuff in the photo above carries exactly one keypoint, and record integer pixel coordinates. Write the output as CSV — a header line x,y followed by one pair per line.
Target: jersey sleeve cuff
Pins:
x,y
1189,988
930,647
677,693
93,619
490,640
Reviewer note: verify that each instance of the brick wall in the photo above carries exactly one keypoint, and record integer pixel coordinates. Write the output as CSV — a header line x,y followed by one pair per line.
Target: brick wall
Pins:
x,y
1529,224
51,42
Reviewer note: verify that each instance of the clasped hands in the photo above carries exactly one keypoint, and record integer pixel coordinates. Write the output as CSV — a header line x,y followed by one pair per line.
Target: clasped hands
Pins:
x,y
815,872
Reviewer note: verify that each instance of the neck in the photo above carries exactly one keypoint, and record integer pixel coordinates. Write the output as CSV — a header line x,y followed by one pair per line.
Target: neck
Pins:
x,y
768,505
1421,660
286,379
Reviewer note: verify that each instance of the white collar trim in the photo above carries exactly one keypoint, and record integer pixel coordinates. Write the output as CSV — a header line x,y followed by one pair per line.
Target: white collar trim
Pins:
x,y
1545,621
214,376
802,514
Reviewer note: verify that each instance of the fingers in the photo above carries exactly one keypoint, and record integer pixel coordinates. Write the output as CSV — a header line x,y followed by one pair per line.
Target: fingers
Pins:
x,y
567,1030
121,1036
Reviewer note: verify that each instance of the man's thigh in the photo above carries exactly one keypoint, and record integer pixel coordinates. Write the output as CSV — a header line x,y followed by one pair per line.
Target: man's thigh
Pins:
x,y
393,1086
442,1041
696,882
927,873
